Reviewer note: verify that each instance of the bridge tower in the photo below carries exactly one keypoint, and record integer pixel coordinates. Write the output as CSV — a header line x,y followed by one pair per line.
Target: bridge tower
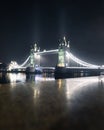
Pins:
x,y
32,60
63,47
34,57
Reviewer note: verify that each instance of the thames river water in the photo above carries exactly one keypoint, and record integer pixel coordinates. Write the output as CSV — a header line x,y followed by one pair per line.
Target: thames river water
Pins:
x,y
37,102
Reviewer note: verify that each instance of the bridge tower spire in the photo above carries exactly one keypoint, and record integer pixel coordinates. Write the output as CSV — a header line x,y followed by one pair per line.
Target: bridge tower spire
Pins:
x,y
63,47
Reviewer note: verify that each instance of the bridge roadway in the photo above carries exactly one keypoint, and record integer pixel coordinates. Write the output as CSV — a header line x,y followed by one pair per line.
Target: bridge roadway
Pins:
x,y
69,72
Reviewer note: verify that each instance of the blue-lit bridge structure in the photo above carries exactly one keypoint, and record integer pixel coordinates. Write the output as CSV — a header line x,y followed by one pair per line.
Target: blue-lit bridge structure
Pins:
x,y
65,56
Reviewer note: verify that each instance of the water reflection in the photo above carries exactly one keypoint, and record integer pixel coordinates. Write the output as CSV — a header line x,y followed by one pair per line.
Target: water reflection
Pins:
x,y
30,77
37,102
19,77
75,84
12,77
44,78
59,82
4,78
36,93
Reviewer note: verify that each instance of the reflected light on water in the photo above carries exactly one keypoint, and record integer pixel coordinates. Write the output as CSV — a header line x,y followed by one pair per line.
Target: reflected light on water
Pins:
x,y
41,78
17,77
59,82
75,84
36,93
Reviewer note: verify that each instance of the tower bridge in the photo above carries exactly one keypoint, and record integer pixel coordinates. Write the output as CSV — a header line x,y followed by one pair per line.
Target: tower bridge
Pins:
x,y
65,56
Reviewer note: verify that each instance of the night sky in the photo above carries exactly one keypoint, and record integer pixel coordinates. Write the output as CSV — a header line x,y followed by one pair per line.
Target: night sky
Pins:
x,y
24,22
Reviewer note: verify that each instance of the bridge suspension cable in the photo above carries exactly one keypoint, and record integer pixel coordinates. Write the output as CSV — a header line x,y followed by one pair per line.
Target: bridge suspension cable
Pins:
x,y
24,63
77,60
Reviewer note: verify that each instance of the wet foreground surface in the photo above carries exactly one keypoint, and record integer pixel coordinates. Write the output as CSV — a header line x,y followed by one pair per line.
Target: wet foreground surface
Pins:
x,y
37,103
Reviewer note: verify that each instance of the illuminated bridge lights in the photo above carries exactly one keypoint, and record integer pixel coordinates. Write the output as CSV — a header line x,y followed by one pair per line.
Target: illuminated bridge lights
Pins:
x,y
47,52
64,56
83,63
14,64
